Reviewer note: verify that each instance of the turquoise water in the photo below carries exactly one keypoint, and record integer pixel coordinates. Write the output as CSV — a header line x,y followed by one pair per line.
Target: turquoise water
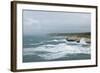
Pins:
x,y
47,48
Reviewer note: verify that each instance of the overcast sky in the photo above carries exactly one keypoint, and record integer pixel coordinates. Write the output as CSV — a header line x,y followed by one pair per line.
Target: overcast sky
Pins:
x,y
44,22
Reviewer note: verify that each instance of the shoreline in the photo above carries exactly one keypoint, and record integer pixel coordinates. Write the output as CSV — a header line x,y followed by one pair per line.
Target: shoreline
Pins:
x,y
74,36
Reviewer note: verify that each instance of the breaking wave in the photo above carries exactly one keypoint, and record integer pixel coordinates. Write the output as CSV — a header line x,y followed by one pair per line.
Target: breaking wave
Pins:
x,y
49,51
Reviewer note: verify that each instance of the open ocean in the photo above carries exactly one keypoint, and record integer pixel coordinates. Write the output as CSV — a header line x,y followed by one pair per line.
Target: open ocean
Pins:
x,y
47,48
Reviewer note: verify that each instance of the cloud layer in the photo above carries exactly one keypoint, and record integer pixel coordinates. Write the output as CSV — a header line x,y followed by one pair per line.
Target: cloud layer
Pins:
x,y
44,22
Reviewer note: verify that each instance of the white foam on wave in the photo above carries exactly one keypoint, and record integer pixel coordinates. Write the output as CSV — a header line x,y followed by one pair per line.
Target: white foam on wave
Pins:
x,y
59,40
50,56
55,40
56,51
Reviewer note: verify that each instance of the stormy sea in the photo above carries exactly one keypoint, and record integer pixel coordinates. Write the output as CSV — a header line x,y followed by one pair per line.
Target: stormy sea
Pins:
x,y
46,48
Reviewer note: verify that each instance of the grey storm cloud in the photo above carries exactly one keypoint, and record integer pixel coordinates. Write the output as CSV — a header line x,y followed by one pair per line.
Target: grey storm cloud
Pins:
x,y
43,22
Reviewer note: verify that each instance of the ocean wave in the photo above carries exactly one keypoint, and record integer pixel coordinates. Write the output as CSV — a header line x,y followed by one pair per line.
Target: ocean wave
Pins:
x,y
56,51
47,42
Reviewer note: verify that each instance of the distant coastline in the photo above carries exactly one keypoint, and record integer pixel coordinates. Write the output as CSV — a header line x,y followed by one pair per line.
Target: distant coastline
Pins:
x,y
74,36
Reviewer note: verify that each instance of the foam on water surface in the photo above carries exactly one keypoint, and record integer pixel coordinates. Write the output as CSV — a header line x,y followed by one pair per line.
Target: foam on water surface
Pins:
x,y
56,51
